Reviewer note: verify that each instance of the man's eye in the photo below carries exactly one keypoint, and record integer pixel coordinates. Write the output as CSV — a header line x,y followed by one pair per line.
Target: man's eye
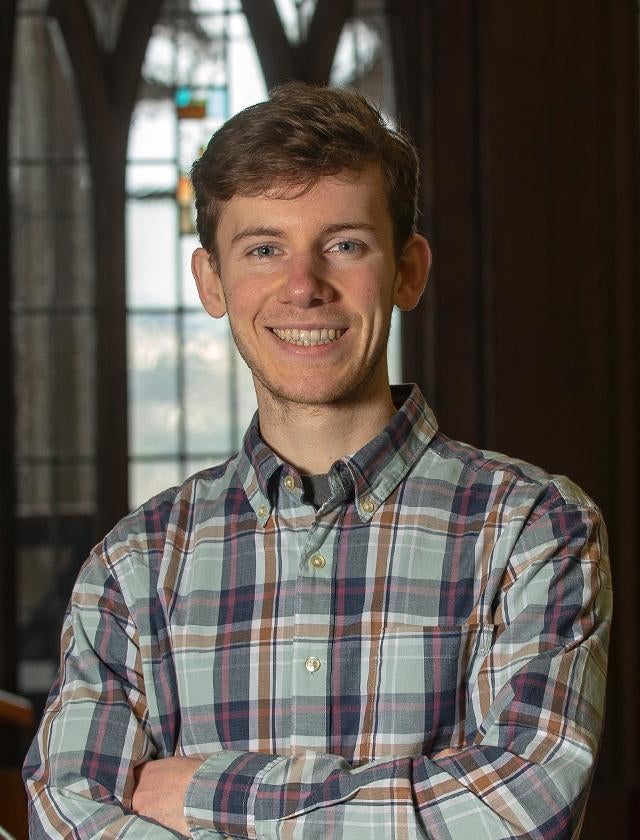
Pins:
x,y
347,246
264,251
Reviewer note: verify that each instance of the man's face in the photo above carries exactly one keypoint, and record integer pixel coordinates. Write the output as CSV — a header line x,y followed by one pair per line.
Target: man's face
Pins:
x,y
308,281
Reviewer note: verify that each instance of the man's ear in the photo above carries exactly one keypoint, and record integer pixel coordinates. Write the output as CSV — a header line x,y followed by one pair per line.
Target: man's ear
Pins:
x,y
412,272
208,282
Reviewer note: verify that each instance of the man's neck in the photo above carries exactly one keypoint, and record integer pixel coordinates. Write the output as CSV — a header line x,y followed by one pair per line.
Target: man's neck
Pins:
x,y
312,437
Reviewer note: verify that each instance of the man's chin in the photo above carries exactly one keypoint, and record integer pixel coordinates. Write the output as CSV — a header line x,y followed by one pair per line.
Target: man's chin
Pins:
x,y
316,394
306,396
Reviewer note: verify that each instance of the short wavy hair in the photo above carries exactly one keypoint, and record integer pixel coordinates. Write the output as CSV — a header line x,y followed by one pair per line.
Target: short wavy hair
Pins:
x,y
300,134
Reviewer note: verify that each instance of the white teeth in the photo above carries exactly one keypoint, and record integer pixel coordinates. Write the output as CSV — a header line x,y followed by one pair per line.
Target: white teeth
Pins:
x,y
307,338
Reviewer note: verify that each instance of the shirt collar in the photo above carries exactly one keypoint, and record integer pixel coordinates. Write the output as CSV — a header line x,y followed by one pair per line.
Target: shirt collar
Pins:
x,y
372,473
383,463
257,463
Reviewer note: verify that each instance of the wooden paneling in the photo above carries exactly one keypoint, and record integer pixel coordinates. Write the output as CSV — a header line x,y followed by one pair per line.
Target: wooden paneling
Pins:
x,y
530,146
546,184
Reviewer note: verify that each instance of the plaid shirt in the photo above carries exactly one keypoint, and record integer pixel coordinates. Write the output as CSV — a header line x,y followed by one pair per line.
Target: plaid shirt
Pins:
x,y
424,656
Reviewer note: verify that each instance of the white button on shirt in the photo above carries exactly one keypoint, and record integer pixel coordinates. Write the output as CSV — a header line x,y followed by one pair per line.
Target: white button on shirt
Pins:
x,y
367,505
318,561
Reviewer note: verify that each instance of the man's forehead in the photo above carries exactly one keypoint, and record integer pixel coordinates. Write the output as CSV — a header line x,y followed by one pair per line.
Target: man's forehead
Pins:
x,y
364,185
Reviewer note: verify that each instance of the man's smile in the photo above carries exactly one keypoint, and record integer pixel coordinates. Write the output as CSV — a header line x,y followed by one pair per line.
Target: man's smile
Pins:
x,y
308,338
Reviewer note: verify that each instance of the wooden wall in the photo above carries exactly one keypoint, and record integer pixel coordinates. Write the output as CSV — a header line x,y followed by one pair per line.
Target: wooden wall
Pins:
x,y
527,341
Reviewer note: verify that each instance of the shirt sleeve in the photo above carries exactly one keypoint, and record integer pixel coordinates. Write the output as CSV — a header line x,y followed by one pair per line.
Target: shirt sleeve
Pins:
x,y
79,772
524,772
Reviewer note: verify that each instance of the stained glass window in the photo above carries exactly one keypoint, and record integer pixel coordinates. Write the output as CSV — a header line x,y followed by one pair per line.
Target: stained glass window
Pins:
x,y
190,393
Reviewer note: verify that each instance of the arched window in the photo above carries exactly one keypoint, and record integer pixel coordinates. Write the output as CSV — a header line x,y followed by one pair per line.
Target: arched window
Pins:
x,y
190,395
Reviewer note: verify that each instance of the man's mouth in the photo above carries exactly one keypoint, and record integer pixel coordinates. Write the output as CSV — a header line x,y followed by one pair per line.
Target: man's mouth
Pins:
x,y
308,338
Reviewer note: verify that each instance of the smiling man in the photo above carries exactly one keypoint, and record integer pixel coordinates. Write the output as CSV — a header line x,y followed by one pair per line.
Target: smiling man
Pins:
x,y
356,627
309,276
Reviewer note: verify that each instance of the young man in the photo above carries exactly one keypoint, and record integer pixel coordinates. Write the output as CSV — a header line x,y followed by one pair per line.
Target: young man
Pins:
x,y
356,627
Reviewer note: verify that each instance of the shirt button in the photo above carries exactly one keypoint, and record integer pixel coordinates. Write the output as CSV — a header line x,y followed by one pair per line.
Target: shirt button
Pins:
x,y
318,561
262,511
289,482
312,664
367,505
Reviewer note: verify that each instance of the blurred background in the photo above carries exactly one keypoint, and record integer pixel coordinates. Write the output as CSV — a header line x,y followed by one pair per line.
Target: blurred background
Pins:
x,y
117,385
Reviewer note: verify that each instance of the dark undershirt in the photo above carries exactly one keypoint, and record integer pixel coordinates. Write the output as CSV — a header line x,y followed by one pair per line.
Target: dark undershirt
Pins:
x,y
317,489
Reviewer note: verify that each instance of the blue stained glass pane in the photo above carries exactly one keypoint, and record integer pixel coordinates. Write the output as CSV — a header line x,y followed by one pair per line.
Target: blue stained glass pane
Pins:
x,y
183,97
217,103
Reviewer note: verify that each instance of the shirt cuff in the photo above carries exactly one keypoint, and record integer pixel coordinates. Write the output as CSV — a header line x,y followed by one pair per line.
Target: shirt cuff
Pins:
x,y
222,793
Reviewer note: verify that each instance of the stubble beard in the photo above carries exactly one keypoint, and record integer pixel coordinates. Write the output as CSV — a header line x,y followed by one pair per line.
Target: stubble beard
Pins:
x,y
283,400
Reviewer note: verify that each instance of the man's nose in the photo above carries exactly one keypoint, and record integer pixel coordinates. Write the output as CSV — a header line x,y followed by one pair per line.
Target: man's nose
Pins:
x,y
305,283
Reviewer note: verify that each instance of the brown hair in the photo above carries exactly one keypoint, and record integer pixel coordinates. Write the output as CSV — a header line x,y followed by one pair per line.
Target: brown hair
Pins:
x,y
302,133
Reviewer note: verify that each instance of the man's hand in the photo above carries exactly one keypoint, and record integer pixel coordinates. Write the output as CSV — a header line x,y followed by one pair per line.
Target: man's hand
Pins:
x,y
160,789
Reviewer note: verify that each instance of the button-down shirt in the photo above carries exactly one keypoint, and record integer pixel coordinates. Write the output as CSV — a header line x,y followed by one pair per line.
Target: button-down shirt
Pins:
x,y
423,656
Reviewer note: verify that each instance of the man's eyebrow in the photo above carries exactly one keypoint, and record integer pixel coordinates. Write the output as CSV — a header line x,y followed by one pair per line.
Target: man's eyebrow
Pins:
x,y
257,230
355,225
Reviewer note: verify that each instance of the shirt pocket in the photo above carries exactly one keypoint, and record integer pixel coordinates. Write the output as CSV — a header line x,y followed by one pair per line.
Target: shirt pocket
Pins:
x,y
422,677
